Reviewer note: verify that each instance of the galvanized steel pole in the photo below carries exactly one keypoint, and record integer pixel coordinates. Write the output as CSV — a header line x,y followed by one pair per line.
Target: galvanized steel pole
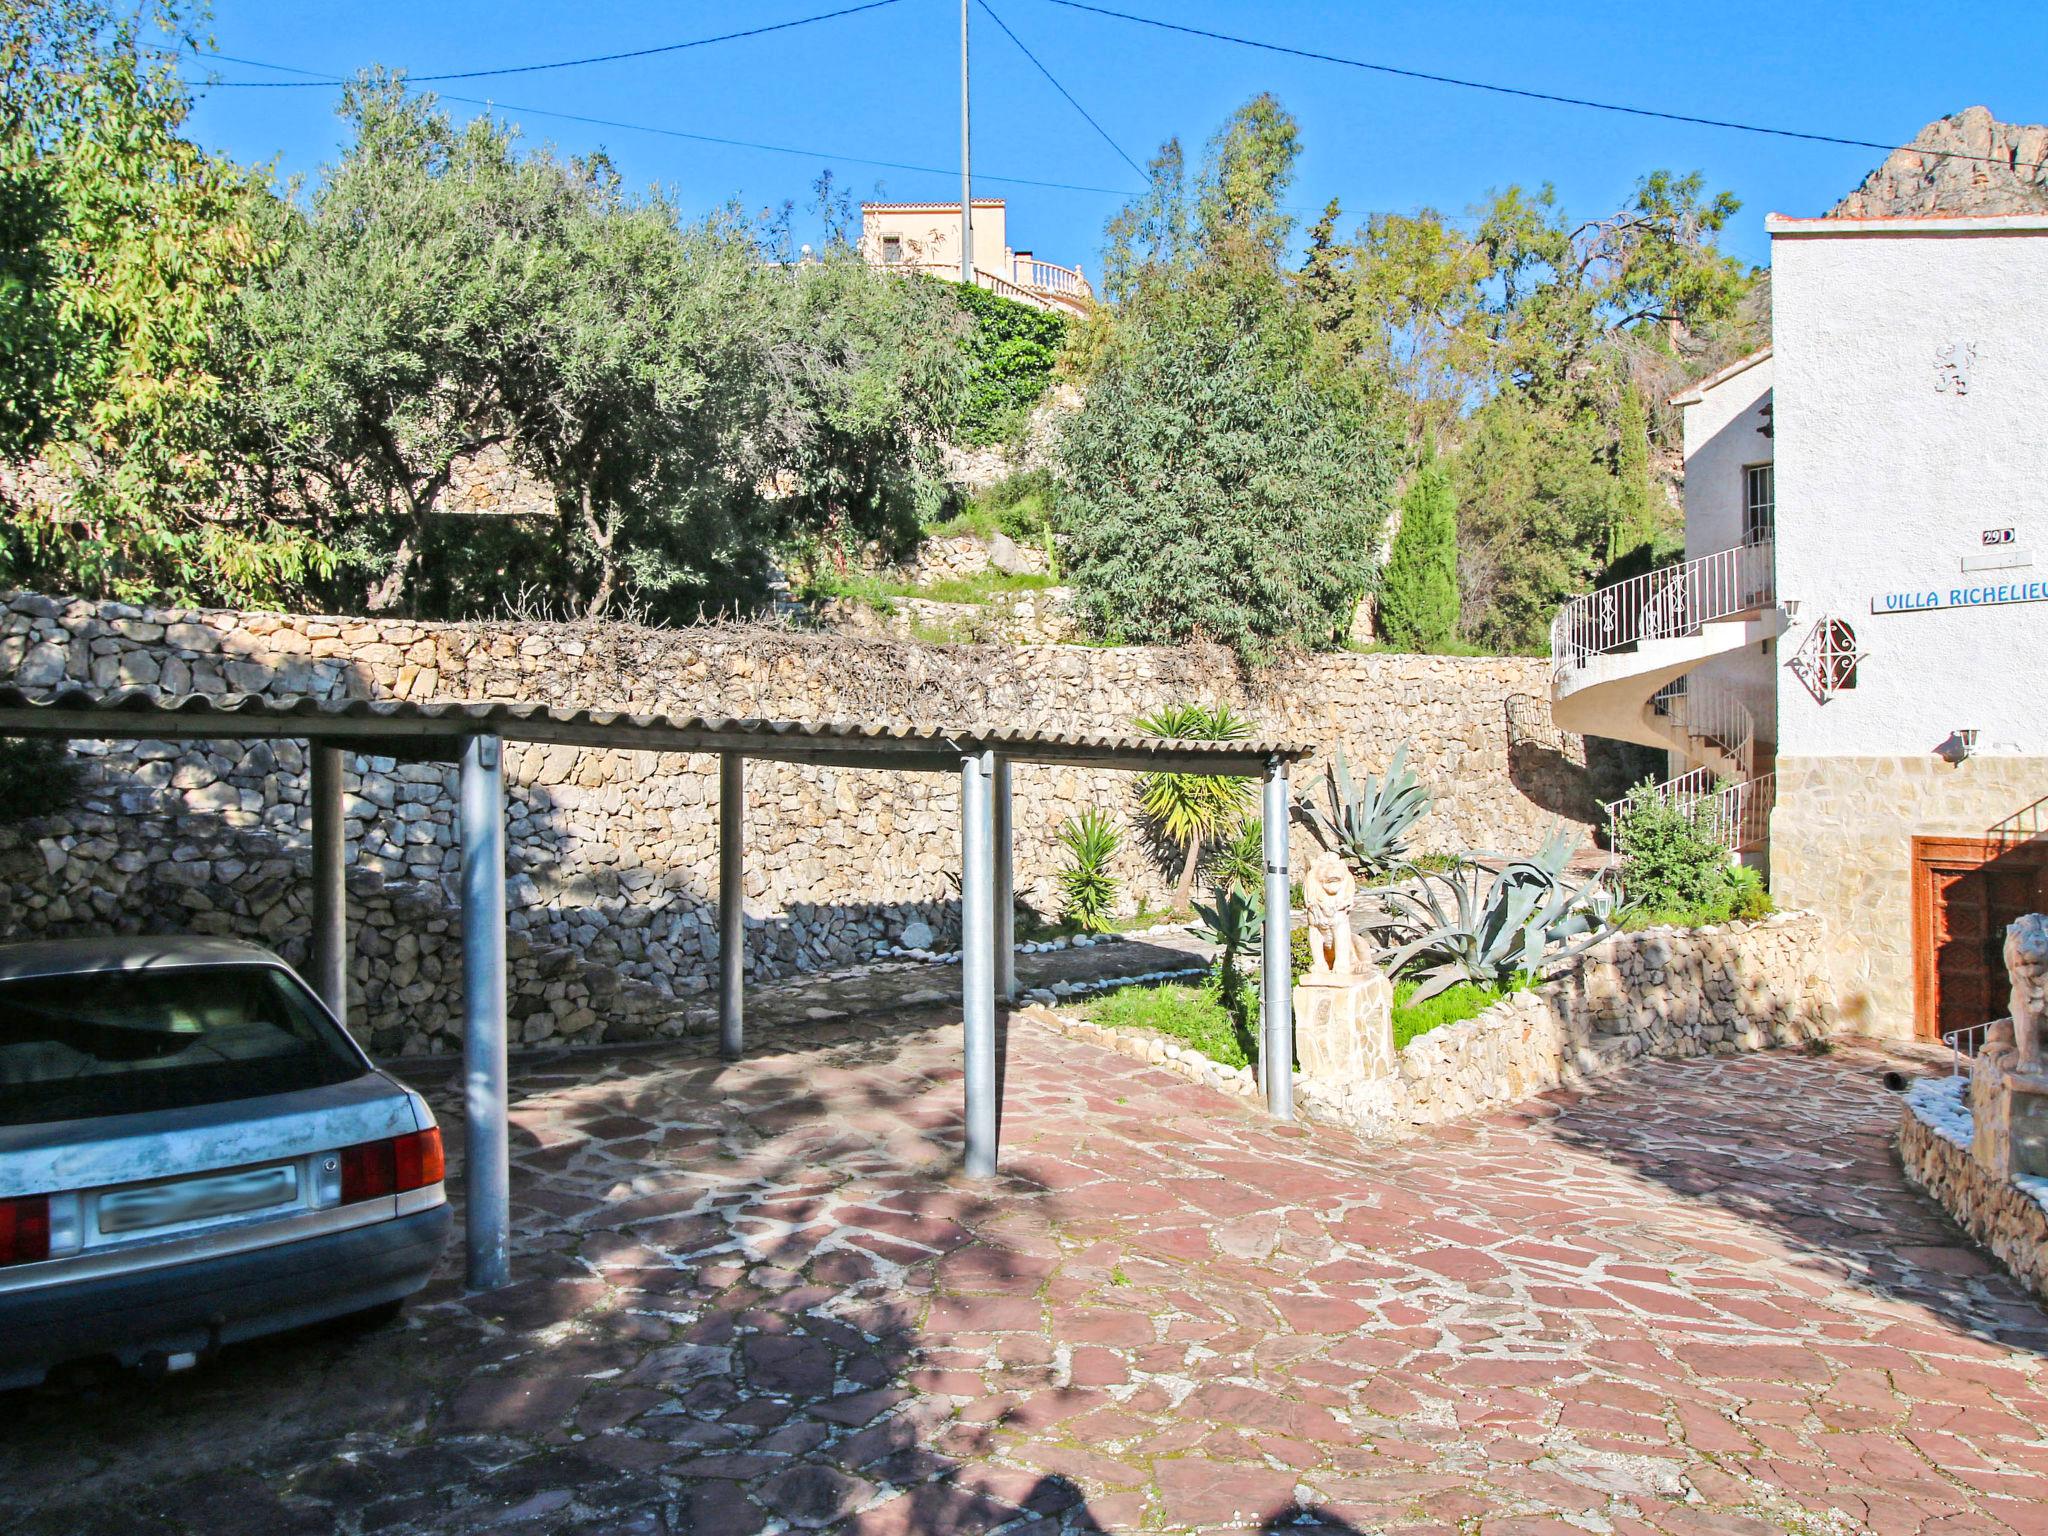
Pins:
x,y
330,882
732,903
486,1169
966,180
1276,1045
977,970
1006,887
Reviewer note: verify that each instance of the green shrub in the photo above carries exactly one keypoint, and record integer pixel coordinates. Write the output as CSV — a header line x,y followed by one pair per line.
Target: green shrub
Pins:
x,y
37,778
1011,352
1193,1015
1671,858
1744,900
1087,885
1467,1000
1418,606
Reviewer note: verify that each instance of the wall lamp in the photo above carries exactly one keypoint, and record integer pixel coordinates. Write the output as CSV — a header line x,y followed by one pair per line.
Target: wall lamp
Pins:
x,y
1960,746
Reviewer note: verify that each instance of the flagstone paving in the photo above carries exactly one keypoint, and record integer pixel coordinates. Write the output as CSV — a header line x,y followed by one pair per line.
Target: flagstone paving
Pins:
x,y
755,1297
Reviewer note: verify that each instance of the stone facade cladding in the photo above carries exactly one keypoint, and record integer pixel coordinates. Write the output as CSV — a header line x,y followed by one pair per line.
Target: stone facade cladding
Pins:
x,y
613,853
1842,845
1659,992
1997,1213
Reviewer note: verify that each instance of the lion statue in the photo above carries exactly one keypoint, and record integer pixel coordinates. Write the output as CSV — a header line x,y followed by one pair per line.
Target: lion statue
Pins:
x,y
2026,963
1328,892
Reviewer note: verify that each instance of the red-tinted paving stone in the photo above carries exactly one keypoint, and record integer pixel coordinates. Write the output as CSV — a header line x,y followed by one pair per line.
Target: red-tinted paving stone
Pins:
x,y
759,1296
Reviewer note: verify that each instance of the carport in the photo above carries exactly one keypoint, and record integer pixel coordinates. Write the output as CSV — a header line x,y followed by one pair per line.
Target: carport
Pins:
x,y
473,734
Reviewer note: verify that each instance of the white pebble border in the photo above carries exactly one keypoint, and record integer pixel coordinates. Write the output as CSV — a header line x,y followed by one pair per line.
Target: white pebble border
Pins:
x,y
1942,1104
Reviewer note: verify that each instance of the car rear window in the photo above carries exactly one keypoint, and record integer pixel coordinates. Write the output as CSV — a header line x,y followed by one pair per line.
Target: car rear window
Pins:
x,y
117,1042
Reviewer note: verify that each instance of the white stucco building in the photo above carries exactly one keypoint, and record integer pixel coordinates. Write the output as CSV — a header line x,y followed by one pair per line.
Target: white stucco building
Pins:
x,y
1861,611
925,237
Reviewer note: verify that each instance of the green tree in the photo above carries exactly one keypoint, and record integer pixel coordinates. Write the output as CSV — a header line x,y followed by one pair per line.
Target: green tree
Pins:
x,y
690,404
1227,475
1418,604
1635,520
123,246
1535,496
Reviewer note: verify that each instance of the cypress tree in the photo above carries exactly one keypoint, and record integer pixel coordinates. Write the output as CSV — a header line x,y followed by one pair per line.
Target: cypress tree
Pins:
x,y
1635,521
1418,608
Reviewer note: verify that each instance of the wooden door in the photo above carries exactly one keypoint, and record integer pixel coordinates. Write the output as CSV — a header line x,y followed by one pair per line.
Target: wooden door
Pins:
x,y
1965,891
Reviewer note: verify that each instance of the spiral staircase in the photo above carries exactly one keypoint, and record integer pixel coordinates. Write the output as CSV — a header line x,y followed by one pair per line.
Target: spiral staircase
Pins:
x,y
1623,660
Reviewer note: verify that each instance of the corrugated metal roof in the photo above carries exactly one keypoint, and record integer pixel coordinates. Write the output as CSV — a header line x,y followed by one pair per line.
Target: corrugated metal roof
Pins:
x,y
399,728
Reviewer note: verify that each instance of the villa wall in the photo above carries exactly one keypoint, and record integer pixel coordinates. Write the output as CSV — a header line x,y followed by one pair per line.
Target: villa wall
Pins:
x,y
612,853
1842,846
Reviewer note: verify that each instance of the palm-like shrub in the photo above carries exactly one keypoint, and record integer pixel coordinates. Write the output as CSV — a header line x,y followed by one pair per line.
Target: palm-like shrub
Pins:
x,y
1369,822
1493,928
1088,886
1240,863
1191,808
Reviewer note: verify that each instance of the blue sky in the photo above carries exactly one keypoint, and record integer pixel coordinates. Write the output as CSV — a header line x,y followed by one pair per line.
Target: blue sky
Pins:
x,y
884,86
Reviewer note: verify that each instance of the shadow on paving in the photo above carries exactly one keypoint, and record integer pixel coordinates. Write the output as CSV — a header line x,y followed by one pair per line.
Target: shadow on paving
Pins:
x,y
738,1262
1821,1174
757,1295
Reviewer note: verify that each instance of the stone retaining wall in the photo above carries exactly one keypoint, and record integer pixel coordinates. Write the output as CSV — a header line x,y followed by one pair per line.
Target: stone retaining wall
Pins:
x,y
1997,1213
613,853
1660,992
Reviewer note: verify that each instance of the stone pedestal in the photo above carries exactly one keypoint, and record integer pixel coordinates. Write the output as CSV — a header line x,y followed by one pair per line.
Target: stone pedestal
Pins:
x,y
2008,1113
1344,1026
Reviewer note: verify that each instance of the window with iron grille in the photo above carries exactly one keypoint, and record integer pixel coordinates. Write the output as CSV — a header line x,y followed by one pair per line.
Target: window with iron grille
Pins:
x,y
1759,503
892,249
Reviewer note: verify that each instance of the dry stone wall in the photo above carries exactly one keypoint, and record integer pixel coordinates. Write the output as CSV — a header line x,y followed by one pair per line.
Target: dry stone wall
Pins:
x,y
1934,1149
1660,992
613,853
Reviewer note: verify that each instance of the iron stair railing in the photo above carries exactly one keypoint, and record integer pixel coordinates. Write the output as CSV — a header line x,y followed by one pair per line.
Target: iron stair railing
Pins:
x,y
1677,600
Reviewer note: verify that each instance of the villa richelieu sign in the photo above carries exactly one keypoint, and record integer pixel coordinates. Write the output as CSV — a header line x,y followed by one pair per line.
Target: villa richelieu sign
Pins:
x,y
1981,595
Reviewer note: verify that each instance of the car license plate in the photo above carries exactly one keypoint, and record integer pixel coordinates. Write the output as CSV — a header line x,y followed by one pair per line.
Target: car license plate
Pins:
x,y
222,1194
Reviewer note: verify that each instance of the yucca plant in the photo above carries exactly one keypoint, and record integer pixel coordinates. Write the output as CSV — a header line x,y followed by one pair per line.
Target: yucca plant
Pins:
x,y
1496,928
1237,922
1368,823
1191,808
1088,887
1240,863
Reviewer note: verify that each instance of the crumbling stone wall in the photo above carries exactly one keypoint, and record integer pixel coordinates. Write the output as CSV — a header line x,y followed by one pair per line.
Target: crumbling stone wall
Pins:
x,y
613,853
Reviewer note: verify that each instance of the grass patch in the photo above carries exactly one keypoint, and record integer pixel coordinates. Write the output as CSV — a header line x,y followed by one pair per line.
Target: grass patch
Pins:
x,y
882,593
1192,1015
1453,1005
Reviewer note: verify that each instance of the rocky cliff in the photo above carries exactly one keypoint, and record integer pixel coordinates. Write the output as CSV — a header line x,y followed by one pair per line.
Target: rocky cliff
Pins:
x,y
1969,163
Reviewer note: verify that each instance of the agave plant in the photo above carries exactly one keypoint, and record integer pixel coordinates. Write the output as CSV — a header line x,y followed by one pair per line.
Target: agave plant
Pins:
x,y
1369,823
1086,882
1494,927
1237,922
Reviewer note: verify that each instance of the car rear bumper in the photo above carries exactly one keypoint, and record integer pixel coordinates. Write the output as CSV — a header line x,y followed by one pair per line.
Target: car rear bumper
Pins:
x,y
198,1306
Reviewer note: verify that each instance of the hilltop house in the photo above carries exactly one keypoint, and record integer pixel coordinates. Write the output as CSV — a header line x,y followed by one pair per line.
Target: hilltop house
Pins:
x,y
925,237
1850,669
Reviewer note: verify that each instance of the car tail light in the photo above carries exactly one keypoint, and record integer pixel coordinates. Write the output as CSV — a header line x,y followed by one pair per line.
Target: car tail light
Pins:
x,y
373,1168
25,1229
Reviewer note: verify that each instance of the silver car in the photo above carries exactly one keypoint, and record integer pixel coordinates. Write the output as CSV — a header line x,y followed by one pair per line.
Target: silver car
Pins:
x,y
193,1151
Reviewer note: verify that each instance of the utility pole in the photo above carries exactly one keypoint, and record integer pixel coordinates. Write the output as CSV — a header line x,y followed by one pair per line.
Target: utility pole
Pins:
x,y
966,180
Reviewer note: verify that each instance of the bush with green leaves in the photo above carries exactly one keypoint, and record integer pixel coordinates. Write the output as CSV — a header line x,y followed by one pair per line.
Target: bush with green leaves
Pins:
x,y
1012,351
1088,885
1217,483
1191,808
1673,858
1239,863
1368,823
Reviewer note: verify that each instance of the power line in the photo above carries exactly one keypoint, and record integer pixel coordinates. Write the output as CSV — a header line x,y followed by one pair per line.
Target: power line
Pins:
x,y
1086,115
709,138
1514,90
528,69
